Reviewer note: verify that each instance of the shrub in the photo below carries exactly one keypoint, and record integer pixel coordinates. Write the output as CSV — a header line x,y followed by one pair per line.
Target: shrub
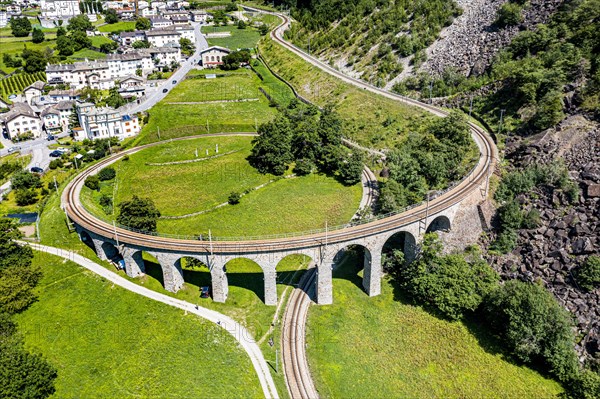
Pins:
x,y
139,214
105,200
533,326
92,182
107,173
25,180
25,197
452,283
588,275
303,167
509,15
56,163
234,198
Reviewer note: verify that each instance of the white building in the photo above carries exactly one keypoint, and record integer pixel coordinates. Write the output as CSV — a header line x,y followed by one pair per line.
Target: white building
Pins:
x,y
128,38
161,37
163,56
212,57
3,18
59,9
36,89
160,22
199,16
99,74
20,120
186,31
100,123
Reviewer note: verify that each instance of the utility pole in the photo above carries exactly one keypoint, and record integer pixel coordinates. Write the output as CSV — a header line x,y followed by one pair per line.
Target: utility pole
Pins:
x,y
471,106
277,361
430,89
502,111
116,236
210,242
207,126
158,131
309,45
55,185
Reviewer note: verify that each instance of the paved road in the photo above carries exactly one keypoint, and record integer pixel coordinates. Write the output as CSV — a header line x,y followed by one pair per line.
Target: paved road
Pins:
x,y
243,336
157,94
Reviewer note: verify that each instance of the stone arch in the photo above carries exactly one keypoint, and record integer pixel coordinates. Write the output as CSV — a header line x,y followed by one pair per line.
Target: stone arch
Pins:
x,y
291,267
87,239
109,251
440,223
403,241
196,272
247,274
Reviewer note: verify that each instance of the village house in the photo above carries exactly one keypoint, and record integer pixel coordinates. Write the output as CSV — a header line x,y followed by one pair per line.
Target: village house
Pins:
x,y
36,89
199,16
212,57
21,119
128,38
99,123
160,37
160,22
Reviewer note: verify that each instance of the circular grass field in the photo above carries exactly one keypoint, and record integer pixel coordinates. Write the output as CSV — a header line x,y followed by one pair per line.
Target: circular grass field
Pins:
x,y
190,182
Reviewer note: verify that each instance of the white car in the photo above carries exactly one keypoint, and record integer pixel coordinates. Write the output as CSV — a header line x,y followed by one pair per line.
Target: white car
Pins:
x,y
62,149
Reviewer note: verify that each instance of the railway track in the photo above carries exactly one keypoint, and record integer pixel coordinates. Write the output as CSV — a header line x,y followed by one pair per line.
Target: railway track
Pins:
x,y
298,379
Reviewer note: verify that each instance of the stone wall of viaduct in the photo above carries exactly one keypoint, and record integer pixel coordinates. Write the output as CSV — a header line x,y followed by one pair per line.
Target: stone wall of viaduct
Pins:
x,y
458,226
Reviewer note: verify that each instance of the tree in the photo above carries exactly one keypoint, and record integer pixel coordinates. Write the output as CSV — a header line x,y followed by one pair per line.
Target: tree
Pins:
x,y
392,196
533,326
11,253
453,128
187,47
61,31
509,15
64,46
234,198
588,275
37,35
241,24
263,29
22,374
24,197
110,16
108,47
80,23
74,118
115,99
549,111
233,60
142,23
138,213
79,40
107,173
25,180
350,171
271,151
452,283
35,61
20,26
92,182
140,44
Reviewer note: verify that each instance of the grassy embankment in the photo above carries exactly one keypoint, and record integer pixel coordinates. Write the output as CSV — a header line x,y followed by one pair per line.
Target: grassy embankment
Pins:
x,y
285,205
239,39
384,347
108,342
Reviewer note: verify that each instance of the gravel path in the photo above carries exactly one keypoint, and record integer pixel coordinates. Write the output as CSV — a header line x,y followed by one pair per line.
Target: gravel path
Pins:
x,y
241,335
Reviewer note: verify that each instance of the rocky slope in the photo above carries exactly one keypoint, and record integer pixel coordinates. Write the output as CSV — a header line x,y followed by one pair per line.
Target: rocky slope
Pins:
x,y
568,234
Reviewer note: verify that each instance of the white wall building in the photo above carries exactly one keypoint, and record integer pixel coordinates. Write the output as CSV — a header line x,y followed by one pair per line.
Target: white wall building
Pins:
x,y
160,22
213,56
100,123
3,18
161,37
19,120
199,16
36,89
59,9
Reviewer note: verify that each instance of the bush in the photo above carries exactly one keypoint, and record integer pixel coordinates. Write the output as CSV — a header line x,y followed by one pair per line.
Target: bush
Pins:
x,y
138,213
24,197
107,173
25,180
505,242
533,326
105,201
92,182
588,275
509,15
56,163
303,167
452,283
234,198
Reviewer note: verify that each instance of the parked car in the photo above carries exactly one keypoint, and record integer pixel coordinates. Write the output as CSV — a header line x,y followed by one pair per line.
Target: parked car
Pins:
x,y
204,292
173,82
165,90
50,137
62,150
13,149
37,169
55,154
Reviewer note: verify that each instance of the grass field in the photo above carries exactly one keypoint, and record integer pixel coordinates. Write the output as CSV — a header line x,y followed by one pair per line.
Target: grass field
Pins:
x,y
279,91
119,26
285,205
239,39
87,53
108,342
14,46
97,41
383,347
371,120
178,120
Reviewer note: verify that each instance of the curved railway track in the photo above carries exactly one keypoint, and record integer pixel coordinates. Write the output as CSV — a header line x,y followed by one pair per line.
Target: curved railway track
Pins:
x,y
297,375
